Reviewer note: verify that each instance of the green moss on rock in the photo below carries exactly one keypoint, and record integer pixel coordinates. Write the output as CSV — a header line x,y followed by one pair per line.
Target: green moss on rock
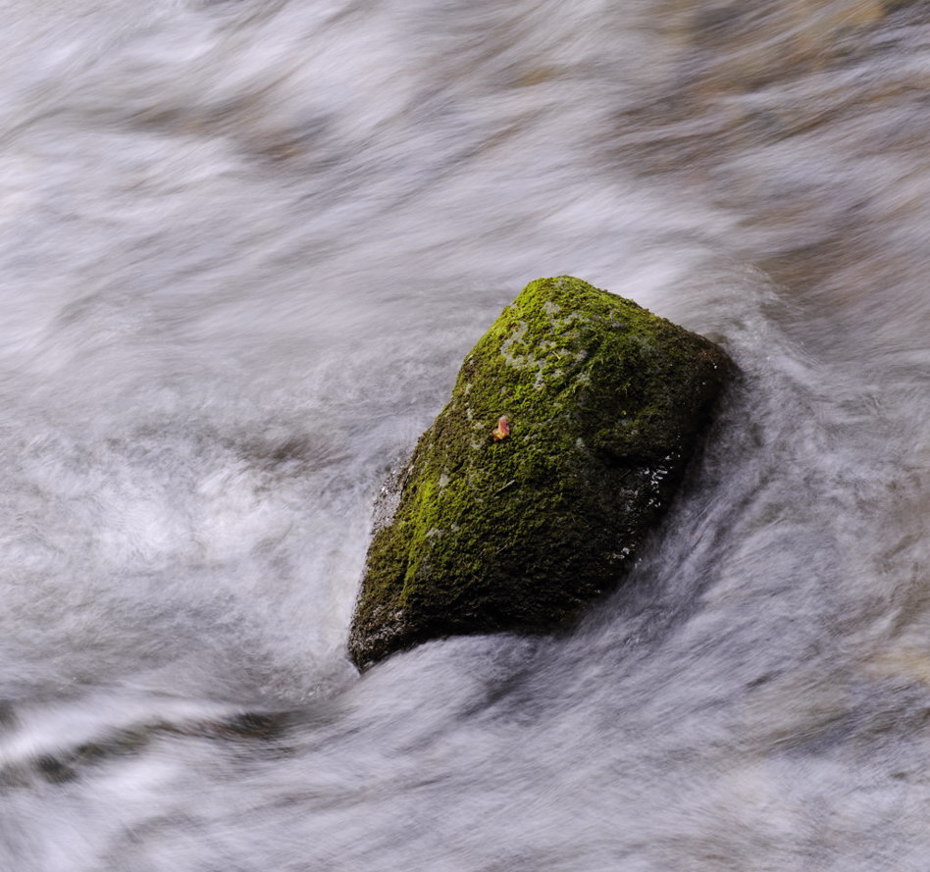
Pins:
x,y
605,403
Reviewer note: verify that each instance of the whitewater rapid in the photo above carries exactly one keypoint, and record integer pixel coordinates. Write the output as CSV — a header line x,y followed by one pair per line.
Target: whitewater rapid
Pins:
x,y
243,249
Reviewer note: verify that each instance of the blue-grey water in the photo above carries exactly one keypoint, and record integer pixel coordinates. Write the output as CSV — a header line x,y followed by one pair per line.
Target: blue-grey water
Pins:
x,y
243,249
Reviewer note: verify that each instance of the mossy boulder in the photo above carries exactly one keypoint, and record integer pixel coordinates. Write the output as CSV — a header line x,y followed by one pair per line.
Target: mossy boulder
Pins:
x,y
517,531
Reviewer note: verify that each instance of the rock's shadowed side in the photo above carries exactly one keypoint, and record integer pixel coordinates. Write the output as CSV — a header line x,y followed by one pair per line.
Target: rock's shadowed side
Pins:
x,y
605,403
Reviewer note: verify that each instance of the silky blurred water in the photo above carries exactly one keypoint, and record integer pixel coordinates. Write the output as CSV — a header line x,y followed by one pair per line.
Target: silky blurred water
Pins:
x,y
243,249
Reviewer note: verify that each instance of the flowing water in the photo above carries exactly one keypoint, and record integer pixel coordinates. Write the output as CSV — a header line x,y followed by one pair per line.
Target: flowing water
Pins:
x,y
243,249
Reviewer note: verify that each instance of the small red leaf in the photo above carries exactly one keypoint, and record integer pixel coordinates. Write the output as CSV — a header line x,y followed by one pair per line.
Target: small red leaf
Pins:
x,y
502,431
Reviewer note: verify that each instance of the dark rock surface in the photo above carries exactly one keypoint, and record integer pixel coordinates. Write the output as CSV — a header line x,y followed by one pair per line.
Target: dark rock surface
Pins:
x,y
568,430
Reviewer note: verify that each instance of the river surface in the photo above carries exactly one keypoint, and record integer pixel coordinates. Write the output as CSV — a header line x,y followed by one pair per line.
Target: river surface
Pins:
x,y
244,247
